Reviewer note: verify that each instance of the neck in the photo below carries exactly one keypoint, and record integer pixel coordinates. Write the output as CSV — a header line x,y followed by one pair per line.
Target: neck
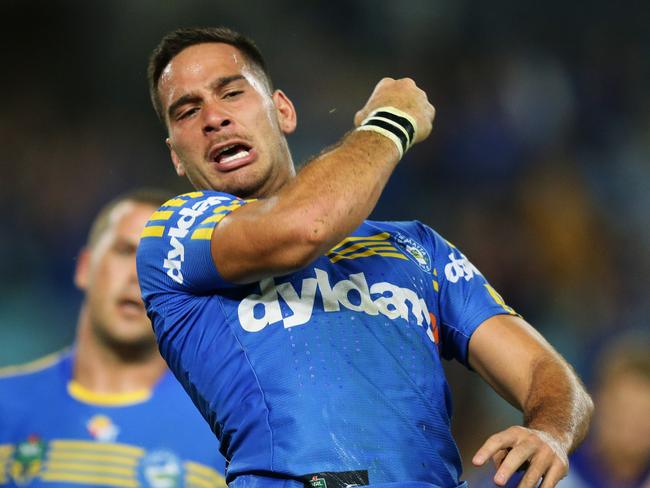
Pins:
x,y
103,369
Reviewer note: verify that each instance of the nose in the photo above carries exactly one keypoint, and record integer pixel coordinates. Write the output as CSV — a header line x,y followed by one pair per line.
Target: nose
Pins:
x,y
214,119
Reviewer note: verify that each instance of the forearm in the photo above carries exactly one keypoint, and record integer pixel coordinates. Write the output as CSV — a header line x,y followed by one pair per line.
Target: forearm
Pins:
x,y
516,360
326,201
557,402
334,193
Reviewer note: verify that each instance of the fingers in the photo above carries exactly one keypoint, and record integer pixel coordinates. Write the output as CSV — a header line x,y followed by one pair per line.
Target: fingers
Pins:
x,y
501,441
514,459
556,472
521,448
498,458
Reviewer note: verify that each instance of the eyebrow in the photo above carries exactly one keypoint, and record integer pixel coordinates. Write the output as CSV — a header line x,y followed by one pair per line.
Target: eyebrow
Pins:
x,y
216,85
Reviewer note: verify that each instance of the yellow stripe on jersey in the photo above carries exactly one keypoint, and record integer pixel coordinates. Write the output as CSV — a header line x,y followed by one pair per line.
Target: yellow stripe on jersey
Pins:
x,y
193,194
226,208
123,449
499,299
214,218
31,367
202,470
174,202
161,215
6,450
84,479
74,456
367,253
107,399
192,481
153,231
436,286
376,237
200,475
205,234
85,468
381,246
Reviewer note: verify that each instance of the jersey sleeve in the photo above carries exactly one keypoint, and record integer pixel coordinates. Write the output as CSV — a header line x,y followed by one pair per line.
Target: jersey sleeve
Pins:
x,y
465,298
174,252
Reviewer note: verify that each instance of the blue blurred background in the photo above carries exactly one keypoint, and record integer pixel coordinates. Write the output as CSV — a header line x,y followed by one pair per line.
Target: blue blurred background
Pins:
x,y
538,166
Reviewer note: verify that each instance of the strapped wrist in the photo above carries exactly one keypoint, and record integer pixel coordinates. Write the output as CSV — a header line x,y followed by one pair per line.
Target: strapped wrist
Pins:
x,y
393,123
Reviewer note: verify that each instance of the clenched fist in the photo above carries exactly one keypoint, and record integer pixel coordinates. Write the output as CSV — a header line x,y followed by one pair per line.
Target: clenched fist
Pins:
x,y
404,95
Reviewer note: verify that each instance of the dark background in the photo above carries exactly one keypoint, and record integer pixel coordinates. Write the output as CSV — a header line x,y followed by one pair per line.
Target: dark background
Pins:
x,y
538,166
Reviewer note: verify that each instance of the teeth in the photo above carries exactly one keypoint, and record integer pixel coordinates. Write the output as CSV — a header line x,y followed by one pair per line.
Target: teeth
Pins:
x,y
241,154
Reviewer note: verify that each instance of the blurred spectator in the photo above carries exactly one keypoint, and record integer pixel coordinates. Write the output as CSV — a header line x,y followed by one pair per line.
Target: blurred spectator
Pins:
x,y
617,452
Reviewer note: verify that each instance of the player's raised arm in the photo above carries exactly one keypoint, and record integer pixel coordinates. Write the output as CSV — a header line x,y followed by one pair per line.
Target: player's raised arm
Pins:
x,y
523,368
331,196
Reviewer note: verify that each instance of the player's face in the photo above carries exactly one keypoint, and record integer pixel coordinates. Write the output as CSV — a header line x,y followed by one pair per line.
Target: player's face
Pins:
x,y
108,275
226,130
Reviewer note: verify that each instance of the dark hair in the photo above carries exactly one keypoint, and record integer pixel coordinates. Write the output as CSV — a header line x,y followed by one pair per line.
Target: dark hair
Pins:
x,y
148,196
180,39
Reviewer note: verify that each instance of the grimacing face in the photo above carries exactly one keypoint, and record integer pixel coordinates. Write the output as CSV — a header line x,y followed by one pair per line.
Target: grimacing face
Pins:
x,y
107,274
226,130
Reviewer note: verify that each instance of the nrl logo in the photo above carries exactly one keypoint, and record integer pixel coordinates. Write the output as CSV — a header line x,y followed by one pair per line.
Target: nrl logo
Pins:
x,y
28,460
317,482
414,250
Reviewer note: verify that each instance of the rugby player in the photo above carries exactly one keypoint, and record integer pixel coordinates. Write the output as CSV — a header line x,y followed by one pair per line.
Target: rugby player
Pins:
x,y
106,412
310,338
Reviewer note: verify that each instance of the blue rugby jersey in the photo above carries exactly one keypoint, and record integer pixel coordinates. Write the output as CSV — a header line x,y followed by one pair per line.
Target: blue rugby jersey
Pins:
x,y
54,433
329,376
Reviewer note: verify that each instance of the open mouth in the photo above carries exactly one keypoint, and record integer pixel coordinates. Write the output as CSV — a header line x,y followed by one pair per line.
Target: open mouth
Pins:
x,y
230,153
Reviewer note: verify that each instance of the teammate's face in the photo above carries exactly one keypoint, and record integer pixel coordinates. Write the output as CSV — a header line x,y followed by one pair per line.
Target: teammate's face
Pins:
x,y
226,130
107,273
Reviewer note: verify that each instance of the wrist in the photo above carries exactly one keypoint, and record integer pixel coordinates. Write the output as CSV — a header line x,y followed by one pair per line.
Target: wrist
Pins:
x,y
393,124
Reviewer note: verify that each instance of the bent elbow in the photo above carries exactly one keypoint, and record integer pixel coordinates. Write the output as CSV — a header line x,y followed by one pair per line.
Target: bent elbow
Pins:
x,y
310,241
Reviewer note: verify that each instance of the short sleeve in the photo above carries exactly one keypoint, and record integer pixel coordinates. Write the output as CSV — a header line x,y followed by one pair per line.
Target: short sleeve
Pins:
x,y
174,252
465,298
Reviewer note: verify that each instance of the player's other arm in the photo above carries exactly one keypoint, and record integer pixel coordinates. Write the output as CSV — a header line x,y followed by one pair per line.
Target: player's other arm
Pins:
x,y
325,202
524,369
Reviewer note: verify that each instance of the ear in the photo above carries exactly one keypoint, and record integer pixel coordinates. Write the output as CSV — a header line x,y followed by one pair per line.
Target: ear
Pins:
x,y
82,270
287,117
176,161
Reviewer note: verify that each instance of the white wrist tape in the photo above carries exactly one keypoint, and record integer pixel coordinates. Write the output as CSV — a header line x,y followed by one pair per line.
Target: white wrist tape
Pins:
x,y
393,123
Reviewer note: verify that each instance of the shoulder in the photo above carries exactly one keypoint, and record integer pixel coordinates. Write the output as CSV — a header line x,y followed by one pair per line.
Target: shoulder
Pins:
x,y
187,219
411,233
33,370
24,383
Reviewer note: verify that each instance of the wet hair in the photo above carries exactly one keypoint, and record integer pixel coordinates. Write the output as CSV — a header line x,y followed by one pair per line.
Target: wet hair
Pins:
x,y
147,196
180,39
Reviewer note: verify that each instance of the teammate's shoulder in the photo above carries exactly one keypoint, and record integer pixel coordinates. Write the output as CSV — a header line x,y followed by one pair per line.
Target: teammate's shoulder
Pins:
x,y
33,371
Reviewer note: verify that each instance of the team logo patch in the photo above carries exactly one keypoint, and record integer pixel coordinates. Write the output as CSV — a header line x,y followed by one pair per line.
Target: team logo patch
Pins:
x,y
413,250
162,469
102,428
28,460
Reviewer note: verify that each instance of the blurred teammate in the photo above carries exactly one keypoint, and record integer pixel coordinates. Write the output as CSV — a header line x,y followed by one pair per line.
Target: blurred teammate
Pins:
x,y
107,412
617,451
310,338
